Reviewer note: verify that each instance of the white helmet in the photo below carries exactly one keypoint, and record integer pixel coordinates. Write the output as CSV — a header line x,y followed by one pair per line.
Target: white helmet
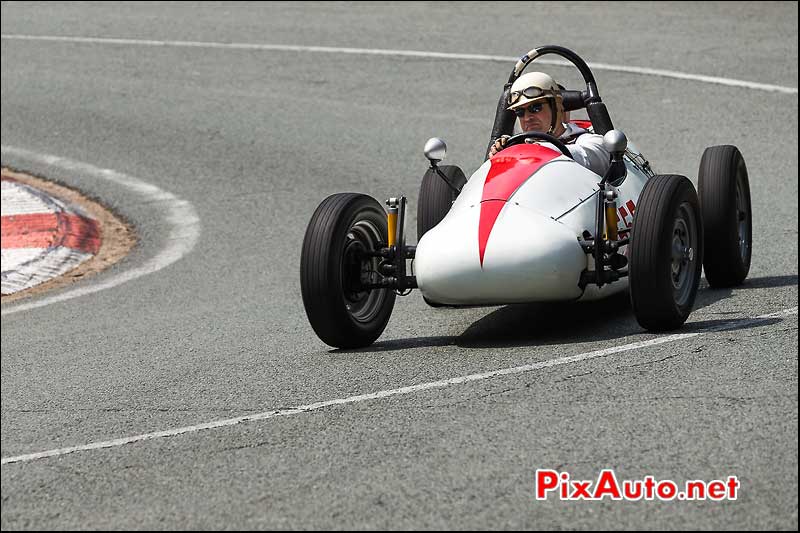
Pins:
x,y
536,87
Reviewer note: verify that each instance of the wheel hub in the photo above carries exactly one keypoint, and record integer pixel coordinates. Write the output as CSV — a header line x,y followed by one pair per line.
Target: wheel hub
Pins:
x,y
358,267
743,227
683,256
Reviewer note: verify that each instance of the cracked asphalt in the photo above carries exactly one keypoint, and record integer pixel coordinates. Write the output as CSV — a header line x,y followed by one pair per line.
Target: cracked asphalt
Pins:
x,y
255,140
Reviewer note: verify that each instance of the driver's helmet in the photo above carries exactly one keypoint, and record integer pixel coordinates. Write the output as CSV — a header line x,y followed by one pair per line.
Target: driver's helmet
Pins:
x,y
537,87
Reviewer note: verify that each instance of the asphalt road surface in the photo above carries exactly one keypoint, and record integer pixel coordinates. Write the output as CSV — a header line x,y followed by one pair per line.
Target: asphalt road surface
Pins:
x,y
243,144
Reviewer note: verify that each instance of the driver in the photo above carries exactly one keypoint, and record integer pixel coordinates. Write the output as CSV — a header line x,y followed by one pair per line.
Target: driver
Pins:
x,y
536,100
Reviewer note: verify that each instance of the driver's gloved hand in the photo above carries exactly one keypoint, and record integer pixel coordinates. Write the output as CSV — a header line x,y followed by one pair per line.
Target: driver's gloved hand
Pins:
x,y
499,144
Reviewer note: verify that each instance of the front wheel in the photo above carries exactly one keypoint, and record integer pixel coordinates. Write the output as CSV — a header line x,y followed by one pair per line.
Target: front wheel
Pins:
x,y
666,253
436,197
334,266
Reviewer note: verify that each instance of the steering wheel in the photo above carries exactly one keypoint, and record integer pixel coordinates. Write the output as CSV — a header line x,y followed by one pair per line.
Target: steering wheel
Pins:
x,y
524,136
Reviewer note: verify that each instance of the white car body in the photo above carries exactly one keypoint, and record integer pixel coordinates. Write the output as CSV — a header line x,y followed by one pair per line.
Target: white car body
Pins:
x,y
513,233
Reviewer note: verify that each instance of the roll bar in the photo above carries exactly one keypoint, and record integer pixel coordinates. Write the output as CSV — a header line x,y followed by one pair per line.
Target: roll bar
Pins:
x,y
588,99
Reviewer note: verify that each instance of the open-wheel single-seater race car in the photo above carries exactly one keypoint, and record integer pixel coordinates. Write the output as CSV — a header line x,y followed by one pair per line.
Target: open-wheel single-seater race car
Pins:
x,y
532,225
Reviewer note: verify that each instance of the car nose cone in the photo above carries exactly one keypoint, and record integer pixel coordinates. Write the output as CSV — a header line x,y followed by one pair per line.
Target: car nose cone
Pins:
x,y
527,257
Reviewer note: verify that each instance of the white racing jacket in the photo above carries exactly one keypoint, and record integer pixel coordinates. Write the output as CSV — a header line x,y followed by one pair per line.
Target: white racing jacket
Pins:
x,y
587,149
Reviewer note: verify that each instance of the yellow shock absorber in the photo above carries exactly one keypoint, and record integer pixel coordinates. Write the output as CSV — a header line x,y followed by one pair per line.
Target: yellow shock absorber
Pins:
x,y
611,216
391,220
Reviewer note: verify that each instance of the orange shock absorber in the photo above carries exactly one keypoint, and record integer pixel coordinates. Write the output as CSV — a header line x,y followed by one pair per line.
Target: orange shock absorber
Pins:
x,y
611,215
391,220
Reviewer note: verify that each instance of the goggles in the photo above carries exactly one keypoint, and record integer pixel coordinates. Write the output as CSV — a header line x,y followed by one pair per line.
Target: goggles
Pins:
x,y
532,109
527,92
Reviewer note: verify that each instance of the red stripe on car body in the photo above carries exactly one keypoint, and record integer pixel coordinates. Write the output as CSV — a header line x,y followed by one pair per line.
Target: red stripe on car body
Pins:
x,y
510,169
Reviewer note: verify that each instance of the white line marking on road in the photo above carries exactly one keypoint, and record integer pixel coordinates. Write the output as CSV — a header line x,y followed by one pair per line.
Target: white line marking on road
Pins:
x,y
402,53
179,214
727,325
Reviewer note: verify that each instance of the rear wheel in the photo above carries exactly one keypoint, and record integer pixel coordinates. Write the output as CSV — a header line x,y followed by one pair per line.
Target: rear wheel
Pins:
x,y
333,266
436,198
724,191
666,253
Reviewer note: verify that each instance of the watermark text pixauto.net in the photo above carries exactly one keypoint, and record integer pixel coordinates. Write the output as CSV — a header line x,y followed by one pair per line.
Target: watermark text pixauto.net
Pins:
x,y
550,483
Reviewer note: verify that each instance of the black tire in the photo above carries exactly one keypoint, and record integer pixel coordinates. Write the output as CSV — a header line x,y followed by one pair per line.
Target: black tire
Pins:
x,y
724,192
436,198
341,316
666,253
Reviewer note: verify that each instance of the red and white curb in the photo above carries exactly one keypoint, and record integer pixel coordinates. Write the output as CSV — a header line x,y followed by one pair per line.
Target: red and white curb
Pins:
x,y
42,237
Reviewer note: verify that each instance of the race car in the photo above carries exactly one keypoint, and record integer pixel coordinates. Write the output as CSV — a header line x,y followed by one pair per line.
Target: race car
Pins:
x,y
532,225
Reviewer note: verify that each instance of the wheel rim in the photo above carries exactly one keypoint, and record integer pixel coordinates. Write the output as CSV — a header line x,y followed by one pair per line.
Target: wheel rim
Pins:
x,y
743,214
684,254
357,269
